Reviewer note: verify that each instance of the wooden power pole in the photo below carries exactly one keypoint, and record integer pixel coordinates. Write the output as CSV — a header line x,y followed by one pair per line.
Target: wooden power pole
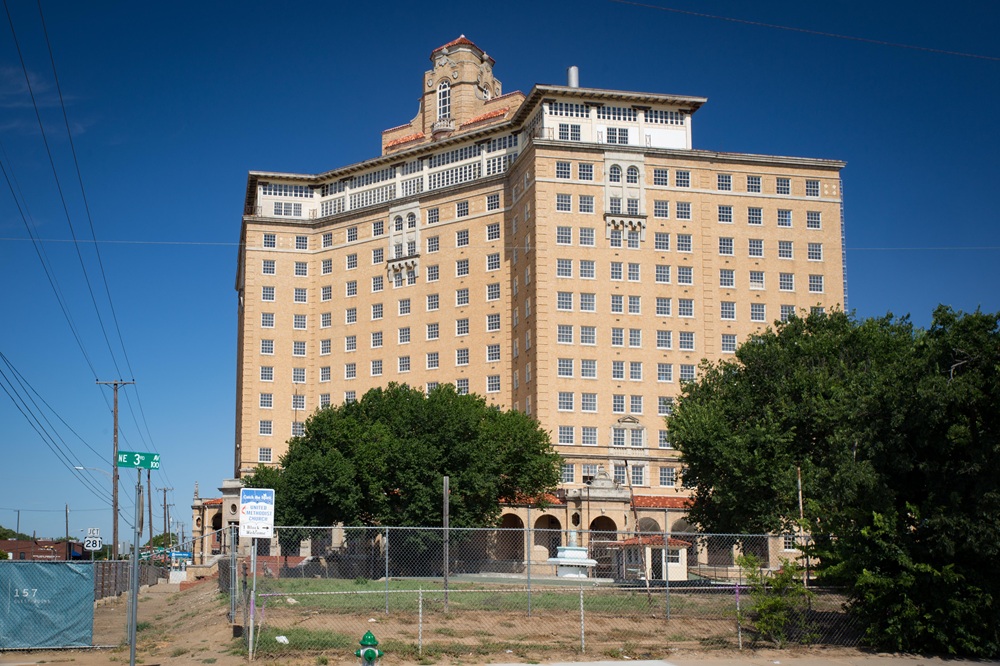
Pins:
x,y
114,469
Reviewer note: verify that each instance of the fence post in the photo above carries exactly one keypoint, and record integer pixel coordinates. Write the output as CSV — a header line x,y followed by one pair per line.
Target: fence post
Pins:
x,y
233,578
387,570
583,640
666,573
420,621
528,557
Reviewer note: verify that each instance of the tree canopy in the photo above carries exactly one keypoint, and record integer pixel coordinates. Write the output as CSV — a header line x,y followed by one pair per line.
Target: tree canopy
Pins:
x,y
896,432
381,461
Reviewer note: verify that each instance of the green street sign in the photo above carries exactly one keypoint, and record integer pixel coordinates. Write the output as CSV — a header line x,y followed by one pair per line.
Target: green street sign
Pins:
x,y
138,459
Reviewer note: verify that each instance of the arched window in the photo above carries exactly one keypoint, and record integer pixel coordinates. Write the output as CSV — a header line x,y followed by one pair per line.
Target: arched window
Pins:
x,y
398,223
444,100
411,221
615,174
632,175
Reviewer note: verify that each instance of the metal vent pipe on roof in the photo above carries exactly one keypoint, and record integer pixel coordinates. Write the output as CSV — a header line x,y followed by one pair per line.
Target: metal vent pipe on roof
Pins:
x,y
573,77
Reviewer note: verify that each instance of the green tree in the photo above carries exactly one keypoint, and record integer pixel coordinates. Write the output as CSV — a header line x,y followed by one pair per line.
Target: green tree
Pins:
x,y
7,533
896,432
380,461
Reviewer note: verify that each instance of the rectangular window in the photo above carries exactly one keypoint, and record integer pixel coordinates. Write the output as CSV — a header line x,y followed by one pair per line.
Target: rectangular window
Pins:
x,y
661,177
433,331
493,322
588,303
564,300
685,340
661,241
758,312
265,428
685,307
324,347
784,249
462,386
461,297
727,277
433,360
268,267
635,337
376,339
432,273
664,340
755,247
327,266
755,216
376,368
266,400
812,188
492,353
683,210
728,343
267,346
635,305
687,373
783,186
587,269
618,407
727,310
684,242
564,268
588,402
564,235
815,252
668,476
462,326
301,269
493,261
664,406
298,375
616,270
569,132
635,371
787,312
403,335
753,183
635,405
267,293
784,218
815,284
663,306
632,206
586,204
615,205
563,170
462,209
403,364
326,318
564,203
270,240
588,368
633,272
726,246
786,281
352,290
404,306
814,220
302,242
564,334
617,303
462,267
685,275
493,291
299,348
462,238
638,474
724,182
615,238
756,279
299,322
266,373
682,179
493,203
661,209
617,337
565,403
588,335
664,372
566,434
662,274
350,370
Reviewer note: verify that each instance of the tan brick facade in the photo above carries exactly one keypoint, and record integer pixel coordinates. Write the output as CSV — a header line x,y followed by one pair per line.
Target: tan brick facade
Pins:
x,y
597,248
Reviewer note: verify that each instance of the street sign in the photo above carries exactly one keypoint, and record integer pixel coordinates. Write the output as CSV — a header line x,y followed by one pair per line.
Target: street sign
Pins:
x,y
93,531
256,512
139,459
93,543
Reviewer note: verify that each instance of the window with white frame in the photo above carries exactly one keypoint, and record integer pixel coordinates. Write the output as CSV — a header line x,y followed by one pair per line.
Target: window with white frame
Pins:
x,y
588,402
617,303
586,204
588,368
564,300
685,340
298,402
587,269
758,312
444,100
569,132
728,343
685,275
687,372
812,188
635,305
462,326
616,270
726,246
566,434
350,370
661,177
433,272
661,209
685,307
299,322
298,348
376,338
727,310
617,337
617,369
462,386
618,407
327,266
663,304
403,335
493,291
564,268
404,306
615,207
635,371
301,269
635,337
633,272
683,210
682,179
814,219
784,249
783,186
564,235
265,428
632,175
461,267
816,284
564,170
564,203
324,347
815,252
664,405
638,475
462,356
784,218
727,277
267,268
755,247
302,242
664,372
267,347
462,238
270,240
585,171
662,274
753,183
684,243
376,368
787,312
493,322
267,293
786,281
433,331
724,182
433,360
266,400
635,407
668,476
661,241
565,402
493,261
664,340
588,335
433,302
493,383
587,237
564,334
403,364
298,375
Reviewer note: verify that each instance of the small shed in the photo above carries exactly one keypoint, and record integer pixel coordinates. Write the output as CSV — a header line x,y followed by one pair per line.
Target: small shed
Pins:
x,y
646,558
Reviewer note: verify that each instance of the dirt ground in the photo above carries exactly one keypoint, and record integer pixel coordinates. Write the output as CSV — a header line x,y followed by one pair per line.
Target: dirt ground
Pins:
x,y
191,627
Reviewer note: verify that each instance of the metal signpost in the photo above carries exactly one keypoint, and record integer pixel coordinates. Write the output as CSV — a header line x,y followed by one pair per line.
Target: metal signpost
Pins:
x,y
139,461
256,521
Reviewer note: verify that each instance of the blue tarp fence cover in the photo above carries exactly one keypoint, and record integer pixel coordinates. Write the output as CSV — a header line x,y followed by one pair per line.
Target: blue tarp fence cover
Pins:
x,y
46,604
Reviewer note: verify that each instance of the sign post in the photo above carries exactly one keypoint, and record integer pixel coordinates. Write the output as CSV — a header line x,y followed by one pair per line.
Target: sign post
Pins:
x,y
256,521
137,460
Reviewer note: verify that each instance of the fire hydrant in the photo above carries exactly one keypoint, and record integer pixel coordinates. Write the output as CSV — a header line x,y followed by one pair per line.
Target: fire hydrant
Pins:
x,y
368,651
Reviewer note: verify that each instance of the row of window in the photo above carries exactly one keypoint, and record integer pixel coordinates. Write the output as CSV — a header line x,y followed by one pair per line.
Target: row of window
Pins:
x,y
634,474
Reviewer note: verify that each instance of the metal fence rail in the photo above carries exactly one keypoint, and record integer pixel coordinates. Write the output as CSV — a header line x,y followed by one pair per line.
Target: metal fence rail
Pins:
x,y
503,590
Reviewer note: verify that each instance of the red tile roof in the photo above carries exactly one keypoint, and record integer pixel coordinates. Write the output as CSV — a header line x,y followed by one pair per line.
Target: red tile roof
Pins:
x,y
405,139
548,498
651,540
213,502
654,502
462,39
495,113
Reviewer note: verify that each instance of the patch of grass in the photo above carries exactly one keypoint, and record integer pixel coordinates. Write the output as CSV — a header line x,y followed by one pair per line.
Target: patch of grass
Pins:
x,y
446,631
322,660
210,660
143,626
299,639
178,651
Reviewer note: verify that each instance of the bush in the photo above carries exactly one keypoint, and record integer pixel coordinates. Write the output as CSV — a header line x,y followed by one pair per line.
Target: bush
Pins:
x,y
780,610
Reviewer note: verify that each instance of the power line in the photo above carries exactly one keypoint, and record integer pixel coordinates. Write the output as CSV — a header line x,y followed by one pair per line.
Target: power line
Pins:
x,y
807,31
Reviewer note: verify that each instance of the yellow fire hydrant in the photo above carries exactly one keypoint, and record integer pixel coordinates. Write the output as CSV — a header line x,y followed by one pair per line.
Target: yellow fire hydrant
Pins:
x,y
368,651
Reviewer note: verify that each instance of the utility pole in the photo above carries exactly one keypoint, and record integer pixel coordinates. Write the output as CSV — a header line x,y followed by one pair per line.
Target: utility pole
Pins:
x,y
165,523
149,493
67,525
114,468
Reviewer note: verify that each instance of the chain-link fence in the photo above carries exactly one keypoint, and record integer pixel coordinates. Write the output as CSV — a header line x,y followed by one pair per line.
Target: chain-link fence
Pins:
x,y
427,592
66,604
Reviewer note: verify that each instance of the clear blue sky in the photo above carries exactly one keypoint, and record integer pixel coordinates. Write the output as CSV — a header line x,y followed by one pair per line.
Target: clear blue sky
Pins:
x,y
171,104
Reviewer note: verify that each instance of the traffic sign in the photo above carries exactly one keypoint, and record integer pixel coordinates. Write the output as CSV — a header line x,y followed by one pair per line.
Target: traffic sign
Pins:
x,y
93,543
139,459
93,531
257,512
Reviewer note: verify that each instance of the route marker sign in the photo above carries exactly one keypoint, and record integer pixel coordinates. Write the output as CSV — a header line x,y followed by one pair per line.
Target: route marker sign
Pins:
x,y
93,543
138,459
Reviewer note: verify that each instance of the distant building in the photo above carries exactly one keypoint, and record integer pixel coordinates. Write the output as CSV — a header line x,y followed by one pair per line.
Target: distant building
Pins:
x,y
41,550
567,253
